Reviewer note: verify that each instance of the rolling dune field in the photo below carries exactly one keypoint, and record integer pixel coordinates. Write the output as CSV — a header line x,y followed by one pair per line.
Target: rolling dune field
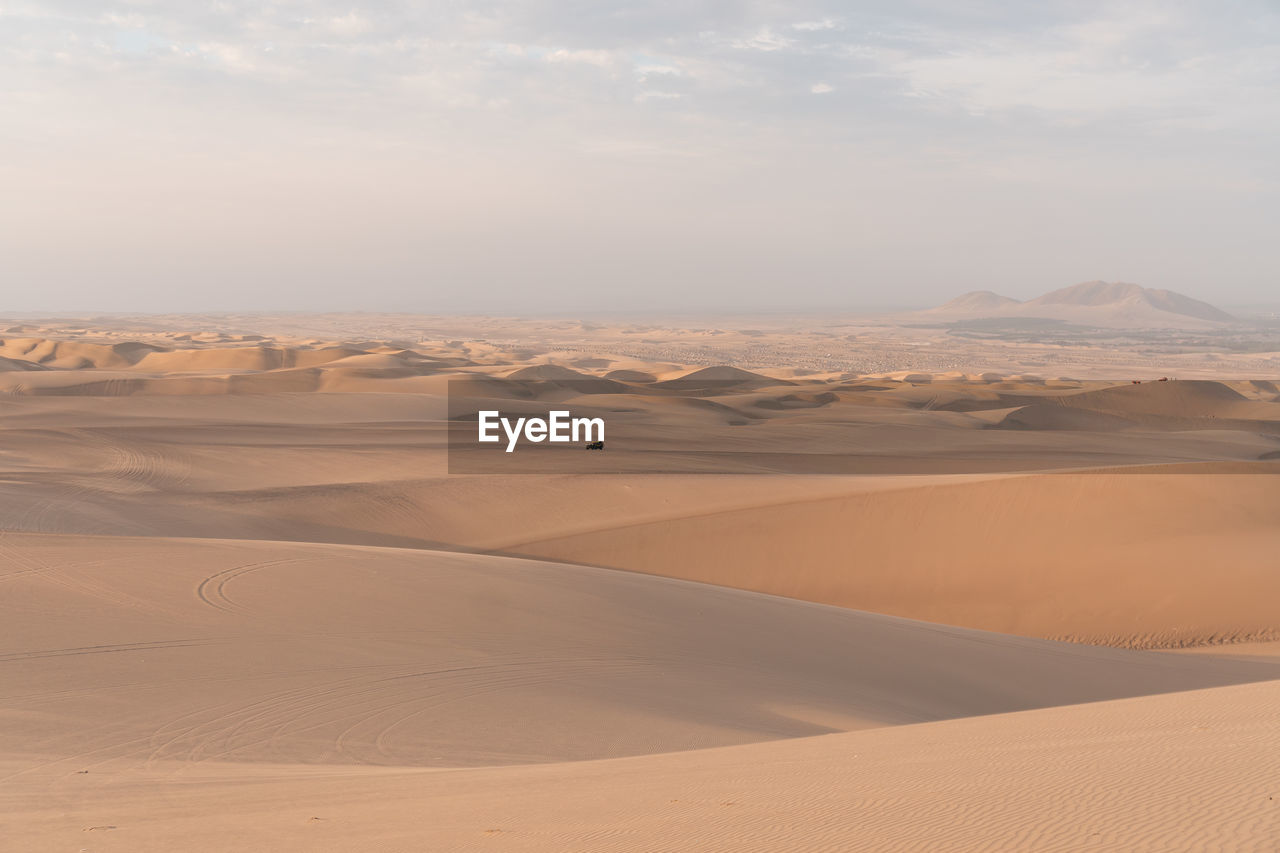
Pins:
x,y
249,602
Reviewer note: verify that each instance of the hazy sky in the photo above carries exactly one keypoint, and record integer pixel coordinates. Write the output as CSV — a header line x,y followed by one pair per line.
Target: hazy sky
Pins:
x,y
504,156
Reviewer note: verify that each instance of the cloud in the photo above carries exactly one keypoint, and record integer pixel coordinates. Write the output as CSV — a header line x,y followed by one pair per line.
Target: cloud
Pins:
x,y
350,24
1042,112
599,58
763,39
125,21
815,26
646,69
232,57
1142,66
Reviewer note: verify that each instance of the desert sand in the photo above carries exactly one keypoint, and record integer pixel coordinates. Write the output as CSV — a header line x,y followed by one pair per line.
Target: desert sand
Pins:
x,y
250,602
1180,771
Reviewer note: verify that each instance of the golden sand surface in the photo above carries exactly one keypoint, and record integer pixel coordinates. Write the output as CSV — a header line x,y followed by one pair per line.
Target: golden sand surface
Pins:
x,y
894,591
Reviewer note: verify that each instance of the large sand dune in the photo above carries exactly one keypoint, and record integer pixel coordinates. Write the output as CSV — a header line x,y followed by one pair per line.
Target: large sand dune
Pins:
x,y
1186,771
226,650
1125,558
209,662
1137,555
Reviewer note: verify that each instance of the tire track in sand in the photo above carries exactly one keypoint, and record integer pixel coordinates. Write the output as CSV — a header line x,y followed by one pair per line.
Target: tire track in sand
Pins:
x,y
212,590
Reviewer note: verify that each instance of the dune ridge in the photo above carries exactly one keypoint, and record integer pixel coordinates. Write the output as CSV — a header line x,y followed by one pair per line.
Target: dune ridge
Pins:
x,y
1095,558
490,645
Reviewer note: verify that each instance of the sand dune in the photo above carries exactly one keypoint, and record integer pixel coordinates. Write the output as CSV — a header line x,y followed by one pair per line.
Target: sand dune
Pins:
x,y
718,379
1181,399
1177,771
127,658
1133,559
1055,416
797,401
9,364
336,654
1180,405
241,358
71,355
1115,558
546,371
633,376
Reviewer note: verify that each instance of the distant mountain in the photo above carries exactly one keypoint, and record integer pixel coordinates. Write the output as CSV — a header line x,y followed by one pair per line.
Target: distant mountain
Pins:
x,y
979,301
1098,294
1092,303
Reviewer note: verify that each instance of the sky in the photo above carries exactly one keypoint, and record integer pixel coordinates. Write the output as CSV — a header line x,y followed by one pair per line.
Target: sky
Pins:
x,y
518,156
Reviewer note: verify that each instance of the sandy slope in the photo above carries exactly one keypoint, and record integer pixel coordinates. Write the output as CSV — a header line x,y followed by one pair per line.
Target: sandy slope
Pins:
x,y
1187,771
210,694
1125,557
1133,559
150,650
